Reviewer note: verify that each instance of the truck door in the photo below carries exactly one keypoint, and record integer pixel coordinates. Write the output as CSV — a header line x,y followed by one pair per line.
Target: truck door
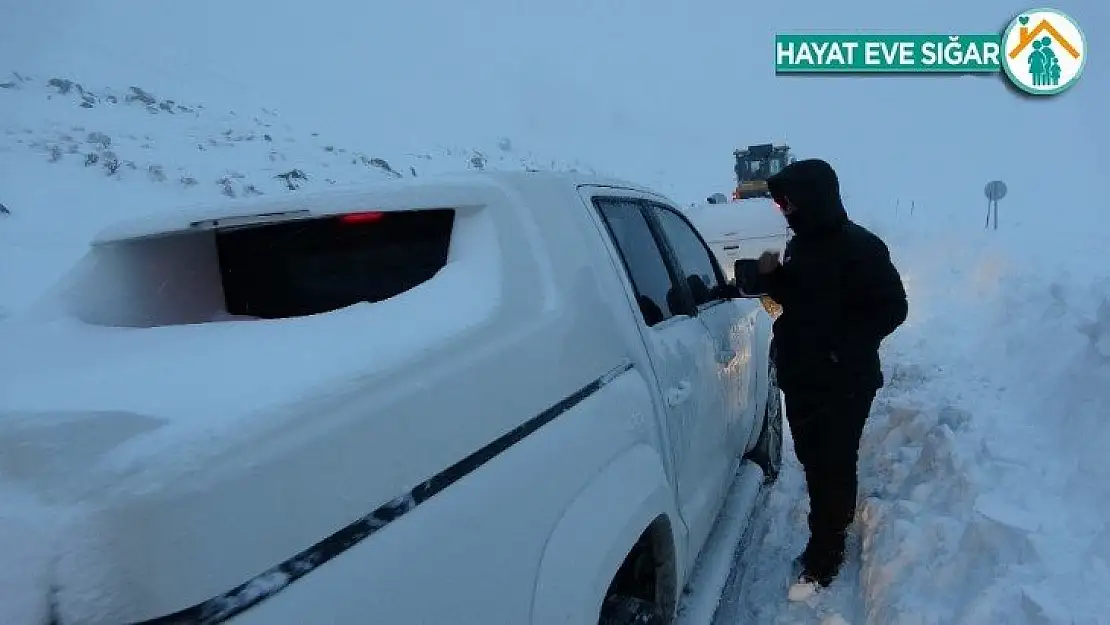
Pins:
x,y
682,354
730,323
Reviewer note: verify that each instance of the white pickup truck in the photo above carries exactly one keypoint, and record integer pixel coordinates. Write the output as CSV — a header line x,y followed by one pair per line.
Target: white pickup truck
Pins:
x,y
491,399
740,229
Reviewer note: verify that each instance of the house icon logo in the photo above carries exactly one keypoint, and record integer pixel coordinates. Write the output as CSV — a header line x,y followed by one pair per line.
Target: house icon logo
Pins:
x,y
1043,51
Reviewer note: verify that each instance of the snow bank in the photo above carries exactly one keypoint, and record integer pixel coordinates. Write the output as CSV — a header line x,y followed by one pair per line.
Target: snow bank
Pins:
x,y
985,473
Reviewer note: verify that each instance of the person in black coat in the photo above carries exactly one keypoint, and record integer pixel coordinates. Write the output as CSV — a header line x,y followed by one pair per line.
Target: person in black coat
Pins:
x,y
841,296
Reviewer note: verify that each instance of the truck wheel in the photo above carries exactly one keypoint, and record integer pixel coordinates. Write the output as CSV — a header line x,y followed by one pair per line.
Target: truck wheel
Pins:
x,y
620,610
768,449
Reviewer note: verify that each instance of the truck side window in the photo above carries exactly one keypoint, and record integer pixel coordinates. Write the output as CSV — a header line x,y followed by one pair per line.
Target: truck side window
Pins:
x,y
694,257
655,290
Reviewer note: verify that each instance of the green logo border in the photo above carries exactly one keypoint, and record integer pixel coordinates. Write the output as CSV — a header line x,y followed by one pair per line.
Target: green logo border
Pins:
x,y
1082,62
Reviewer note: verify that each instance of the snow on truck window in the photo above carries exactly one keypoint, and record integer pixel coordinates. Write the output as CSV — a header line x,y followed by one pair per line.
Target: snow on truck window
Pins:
x,y
656,291
309,267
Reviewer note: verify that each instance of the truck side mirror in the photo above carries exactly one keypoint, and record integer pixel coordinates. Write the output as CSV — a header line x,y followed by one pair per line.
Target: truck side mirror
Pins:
x,y
748,281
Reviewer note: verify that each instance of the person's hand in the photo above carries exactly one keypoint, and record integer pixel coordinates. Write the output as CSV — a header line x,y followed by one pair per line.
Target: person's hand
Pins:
x,y
768,262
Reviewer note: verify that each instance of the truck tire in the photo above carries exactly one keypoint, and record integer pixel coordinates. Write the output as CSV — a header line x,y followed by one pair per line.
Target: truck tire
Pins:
x,y
620,610
768,449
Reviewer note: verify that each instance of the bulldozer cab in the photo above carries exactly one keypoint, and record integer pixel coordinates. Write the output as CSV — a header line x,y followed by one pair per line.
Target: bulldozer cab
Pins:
x,y
755,165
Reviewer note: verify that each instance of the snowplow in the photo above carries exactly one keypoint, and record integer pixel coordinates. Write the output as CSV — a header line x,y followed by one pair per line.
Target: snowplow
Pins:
x,y
755,165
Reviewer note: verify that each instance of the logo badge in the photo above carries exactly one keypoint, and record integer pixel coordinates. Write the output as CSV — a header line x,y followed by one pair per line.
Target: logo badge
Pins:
x,y
1043,51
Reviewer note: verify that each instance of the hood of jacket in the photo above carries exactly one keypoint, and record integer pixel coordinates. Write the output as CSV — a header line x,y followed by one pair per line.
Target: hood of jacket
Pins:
x,y
814,189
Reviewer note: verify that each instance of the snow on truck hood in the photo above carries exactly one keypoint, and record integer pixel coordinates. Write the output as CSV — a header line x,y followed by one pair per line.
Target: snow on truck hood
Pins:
x,y
201,382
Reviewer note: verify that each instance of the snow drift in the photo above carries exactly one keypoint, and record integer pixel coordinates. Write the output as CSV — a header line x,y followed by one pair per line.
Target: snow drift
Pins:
x,y
985,469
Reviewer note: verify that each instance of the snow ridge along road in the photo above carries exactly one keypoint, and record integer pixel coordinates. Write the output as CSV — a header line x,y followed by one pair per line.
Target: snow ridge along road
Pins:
x,y
702,595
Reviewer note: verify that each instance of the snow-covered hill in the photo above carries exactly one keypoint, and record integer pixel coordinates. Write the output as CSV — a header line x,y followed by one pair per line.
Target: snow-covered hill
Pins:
x,y
128,132
74,157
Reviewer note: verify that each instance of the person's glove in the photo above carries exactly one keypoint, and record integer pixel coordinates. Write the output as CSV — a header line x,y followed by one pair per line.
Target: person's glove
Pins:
x,y
768,262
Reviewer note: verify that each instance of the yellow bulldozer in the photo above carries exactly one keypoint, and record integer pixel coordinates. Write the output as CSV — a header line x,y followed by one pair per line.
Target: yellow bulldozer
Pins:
x,y
755,165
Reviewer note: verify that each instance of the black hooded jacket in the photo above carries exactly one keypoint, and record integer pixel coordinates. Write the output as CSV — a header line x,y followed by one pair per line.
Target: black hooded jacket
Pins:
x,y
840,293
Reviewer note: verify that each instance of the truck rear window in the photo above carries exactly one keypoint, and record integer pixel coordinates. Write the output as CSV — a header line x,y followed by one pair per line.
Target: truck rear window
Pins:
x,y
308,267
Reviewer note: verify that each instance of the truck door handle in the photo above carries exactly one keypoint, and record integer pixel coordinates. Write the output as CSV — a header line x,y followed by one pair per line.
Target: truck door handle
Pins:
x,y
679,393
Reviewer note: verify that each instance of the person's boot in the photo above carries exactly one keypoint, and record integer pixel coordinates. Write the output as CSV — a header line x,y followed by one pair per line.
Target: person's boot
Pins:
x,y
812,573
808,583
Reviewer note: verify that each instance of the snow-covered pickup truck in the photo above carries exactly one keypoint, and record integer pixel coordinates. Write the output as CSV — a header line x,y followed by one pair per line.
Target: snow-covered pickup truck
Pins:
x,y
493,399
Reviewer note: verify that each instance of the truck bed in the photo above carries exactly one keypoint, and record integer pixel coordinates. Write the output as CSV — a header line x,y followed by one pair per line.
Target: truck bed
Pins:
x,y
215,371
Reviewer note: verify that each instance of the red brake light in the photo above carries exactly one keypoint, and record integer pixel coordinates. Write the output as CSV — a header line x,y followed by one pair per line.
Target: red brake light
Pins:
x,y
361,218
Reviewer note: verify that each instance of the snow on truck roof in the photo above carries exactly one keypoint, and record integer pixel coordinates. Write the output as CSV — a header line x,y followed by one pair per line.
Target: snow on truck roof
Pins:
x,y
431,191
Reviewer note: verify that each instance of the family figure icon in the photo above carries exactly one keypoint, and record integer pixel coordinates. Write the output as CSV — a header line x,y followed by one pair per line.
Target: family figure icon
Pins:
x,y
1044,67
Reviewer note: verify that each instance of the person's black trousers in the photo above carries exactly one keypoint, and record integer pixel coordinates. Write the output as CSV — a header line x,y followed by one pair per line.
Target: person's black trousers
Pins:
x,y
827,428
